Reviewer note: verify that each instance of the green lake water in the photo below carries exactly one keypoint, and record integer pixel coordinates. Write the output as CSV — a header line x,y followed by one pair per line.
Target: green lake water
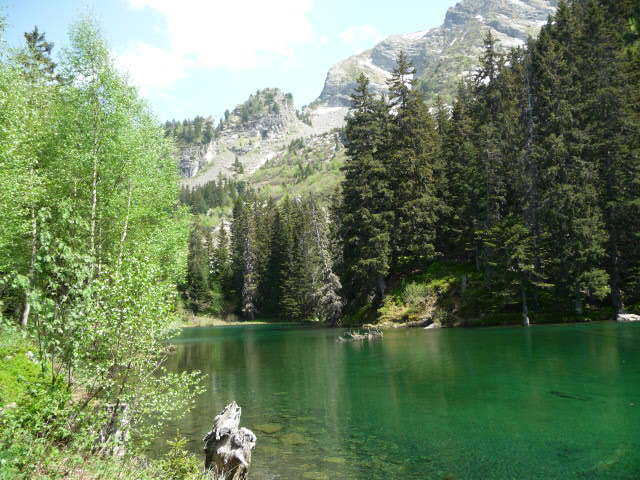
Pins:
x,y
552,402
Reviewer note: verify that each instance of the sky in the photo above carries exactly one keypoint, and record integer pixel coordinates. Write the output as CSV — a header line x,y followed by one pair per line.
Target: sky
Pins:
x,y
201,57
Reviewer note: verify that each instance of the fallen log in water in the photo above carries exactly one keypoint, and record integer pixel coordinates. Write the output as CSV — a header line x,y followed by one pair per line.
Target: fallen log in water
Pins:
x,y
227,447
360,335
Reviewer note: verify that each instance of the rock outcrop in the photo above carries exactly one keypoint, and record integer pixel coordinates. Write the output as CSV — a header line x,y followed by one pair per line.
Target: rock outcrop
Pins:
x,y
193,158
628,317
255,132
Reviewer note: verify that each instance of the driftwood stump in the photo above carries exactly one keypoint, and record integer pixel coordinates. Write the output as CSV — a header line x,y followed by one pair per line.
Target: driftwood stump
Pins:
x,y
370,333
227,447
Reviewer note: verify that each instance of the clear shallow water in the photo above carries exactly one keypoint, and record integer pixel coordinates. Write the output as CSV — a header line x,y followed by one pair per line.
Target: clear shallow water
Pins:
x,y
553,402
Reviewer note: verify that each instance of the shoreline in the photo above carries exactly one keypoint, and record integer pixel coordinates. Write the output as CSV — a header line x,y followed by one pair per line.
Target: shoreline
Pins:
x,y
206,321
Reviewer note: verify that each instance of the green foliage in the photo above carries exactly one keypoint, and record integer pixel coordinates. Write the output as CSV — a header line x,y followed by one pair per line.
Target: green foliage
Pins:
x,y
36,58
305,168
17,371
34,433
178,463
364,210
263,102
423,294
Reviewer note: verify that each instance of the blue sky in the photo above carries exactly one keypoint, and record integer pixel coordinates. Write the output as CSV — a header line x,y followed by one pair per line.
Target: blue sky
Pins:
x,y
200,57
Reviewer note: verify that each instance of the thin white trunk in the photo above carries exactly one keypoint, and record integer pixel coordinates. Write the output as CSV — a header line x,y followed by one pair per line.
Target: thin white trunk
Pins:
x,y
123,237
525,308
94,202
34,234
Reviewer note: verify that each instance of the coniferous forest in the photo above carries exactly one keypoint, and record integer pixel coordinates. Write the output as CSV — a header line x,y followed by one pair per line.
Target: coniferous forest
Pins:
x,y
531,177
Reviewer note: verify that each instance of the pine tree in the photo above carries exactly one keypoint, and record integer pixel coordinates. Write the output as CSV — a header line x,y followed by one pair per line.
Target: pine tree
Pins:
x,y
607,118
36,59
457,225
326,284
244,257
221,259
298,284
365,218
282,237
198,287
571,225
410,159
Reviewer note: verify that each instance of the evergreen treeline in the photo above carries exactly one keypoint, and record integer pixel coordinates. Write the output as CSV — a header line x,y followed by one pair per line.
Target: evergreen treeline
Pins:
x,y
273,259
532,175
218,193
198,131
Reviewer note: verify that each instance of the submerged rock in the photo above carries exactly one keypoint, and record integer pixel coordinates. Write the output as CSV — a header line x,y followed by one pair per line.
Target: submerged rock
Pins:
x,y
293,439
269,427
337,460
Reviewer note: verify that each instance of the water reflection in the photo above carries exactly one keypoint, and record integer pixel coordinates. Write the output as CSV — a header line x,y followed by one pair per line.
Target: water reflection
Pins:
x,y
496,403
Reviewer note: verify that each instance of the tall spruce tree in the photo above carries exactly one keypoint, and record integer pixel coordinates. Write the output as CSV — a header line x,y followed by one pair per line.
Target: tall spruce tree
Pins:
x,y
457,225
572,229
366,220
610,129
409,160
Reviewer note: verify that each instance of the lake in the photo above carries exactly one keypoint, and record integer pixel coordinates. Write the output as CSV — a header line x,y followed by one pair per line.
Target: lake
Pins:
x,y
552,402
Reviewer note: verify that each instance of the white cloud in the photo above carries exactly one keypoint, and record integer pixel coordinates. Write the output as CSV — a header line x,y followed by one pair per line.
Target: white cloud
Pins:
x,y
360,36
151,68
230,34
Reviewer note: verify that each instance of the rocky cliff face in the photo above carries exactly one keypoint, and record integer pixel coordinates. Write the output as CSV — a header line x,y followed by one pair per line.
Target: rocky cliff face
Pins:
x,y
254,132
193,158
265,118
440,55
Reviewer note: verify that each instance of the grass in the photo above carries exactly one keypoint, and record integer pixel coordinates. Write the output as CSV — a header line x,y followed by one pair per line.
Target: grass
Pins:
x,y
301,171
191,320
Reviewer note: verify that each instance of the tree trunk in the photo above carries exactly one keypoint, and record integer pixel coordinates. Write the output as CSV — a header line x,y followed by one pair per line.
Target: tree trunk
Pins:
x,y
123,237
579,307
94,202
381,287
114,434
616,295
525,308
34,236
227,447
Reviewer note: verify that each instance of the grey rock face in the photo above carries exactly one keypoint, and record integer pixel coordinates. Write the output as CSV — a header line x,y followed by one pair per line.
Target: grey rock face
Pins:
x,y
266,116
191,159
444,54
628,317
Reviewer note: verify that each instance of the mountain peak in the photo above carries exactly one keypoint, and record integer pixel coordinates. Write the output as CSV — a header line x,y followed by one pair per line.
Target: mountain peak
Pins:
x,y
441,55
